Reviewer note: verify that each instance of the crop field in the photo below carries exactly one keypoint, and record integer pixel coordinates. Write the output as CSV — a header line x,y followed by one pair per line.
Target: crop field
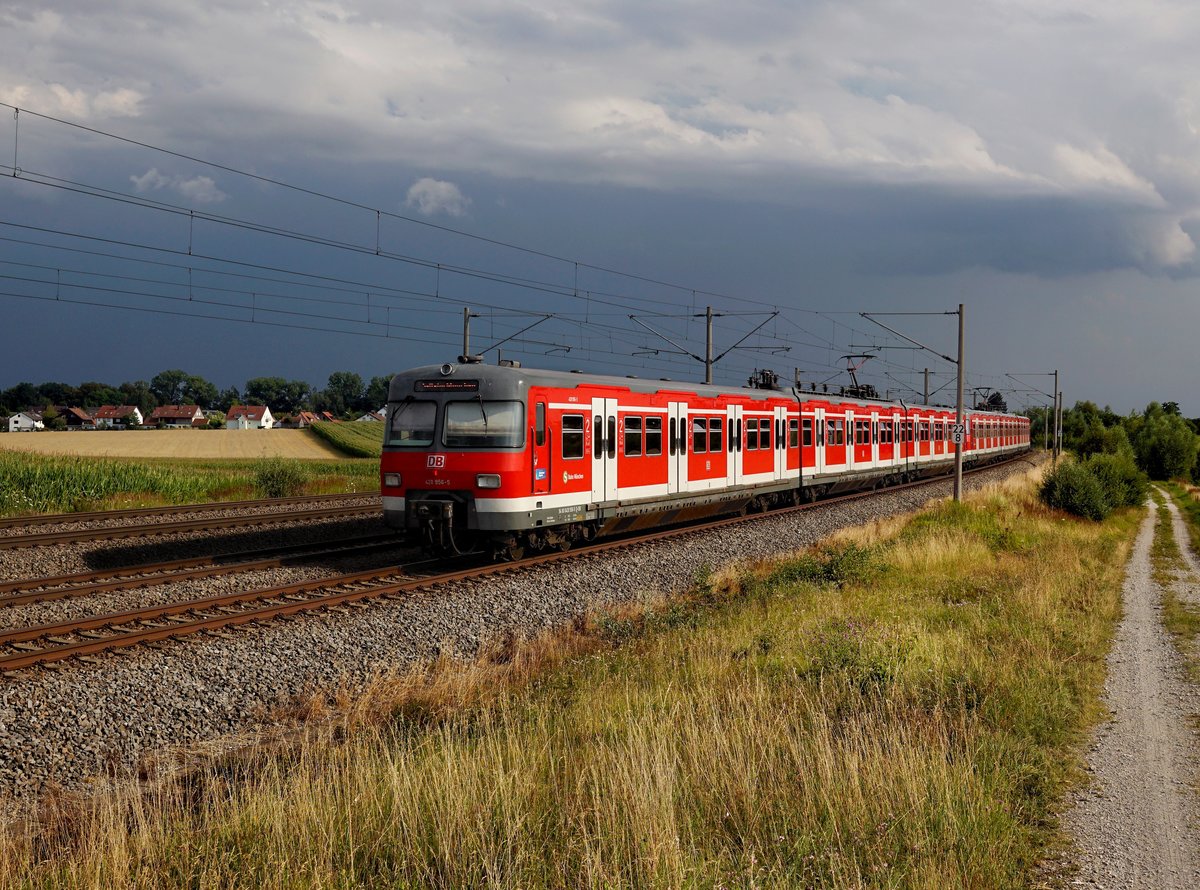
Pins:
x,y
201,444
353,439
47,483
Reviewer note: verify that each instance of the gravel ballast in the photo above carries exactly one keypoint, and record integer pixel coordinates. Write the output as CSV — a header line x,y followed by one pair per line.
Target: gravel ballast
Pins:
x,y
64,727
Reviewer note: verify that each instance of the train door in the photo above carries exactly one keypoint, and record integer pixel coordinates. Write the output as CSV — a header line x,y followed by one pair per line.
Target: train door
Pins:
x,y
733,420
812,441
678,434
780,442
604,450
541,449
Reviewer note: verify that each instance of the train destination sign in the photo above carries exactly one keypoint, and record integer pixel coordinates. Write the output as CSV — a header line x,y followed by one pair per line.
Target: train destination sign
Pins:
x,y
446,386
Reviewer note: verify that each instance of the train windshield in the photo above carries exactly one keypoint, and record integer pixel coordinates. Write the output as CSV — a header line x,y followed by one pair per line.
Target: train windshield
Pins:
x,y
412,424
484,424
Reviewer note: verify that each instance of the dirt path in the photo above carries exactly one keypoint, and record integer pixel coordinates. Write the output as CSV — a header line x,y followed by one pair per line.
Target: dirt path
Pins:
x,y
1136,826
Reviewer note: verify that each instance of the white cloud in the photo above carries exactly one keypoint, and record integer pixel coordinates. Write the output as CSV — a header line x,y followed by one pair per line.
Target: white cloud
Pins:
x,y
433,196
198,189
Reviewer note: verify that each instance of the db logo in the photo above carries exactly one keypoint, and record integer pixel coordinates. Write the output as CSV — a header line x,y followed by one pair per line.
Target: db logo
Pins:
x,y
436,461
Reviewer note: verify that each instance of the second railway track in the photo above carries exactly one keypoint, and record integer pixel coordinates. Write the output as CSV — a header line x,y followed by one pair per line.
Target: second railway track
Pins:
x,y
49,643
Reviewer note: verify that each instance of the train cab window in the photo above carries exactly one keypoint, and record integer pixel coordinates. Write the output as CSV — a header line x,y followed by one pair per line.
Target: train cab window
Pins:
x,y
653,436
540,423
699,442
572,436
412,424
633,436
479,424
598,437
794,432
808,432
715,427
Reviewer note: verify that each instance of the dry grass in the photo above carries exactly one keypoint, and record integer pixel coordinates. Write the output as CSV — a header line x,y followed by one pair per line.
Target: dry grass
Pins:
x,y
200,444
897,709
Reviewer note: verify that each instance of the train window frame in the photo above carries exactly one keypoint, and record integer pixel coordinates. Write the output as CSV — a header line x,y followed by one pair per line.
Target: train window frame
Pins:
x,y
411,443
793,432
807,427
451,408
631,424
699,435
653,427
598,437
764,433
716,425
672,432
539,424
752,434
573,435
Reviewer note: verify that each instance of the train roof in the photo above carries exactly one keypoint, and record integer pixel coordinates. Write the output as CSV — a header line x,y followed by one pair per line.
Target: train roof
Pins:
x,y
505,381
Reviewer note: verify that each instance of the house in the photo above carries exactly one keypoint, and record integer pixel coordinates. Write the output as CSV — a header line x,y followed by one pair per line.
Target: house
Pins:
x,y
300,420
25,422
371,416
249,417
114,416
76,418
178,416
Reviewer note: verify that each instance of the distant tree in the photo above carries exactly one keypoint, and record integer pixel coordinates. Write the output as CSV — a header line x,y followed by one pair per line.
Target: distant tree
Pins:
x,y
1171,408
1164,443
295,396
344,393
167,386
227,398
57,394
94,394
21,396
198,391
138,394
263,391
377,392
52,420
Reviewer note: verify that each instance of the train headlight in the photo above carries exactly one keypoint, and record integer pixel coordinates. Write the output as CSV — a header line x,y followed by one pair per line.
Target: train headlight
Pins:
x,y
391,480
488,480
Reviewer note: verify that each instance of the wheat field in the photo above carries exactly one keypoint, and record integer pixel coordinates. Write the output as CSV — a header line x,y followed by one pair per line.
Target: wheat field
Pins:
x,y
206,444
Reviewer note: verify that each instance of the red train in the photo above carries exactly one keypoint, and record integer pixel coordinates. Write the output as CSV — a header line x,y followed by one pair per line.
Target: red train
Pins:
x,y
513,459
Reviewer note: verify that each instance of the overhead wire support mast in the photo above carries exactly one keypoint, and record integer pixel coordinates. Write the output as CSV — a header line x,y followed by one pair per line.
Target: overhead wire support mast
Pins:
x,y
709,360
959,427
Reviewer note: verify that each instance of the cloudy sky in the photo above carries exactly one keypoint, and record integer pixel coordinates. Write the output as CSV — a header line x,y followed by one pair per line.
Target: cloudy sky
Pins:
x,y
1037,161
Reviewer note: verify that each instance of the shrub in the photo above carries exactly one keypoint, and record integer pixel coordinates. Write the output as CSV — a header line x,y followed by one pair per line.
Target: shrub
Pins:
x,y
279,479
1124,485
1072,488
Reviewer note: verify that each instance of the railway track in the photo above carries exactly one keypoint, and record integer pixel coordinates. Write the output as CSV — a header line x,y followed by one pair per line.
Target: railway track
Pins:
x,y
82,638
115,532
175,510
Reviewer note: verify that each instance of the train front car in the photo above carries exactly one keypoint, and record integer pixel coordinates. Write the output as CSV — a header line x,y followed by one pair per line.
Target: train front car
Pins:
x,y
456,439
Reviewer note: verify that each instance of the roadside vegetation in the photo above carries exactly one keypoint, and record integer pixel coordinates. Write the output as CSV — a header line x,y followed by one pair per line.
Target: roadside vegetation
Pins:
x,y
37,483
353,439
1181,615
898,708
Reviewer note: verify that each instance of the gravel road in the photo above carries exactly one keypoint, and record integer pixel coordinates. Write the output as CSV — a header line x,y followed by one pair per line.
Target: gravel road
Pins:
x,y
1136,825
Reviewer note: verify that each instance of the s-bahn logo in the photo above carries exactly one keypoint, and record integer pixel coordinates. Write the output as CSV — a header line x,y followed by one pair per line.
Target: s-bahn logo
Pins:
x,y
436,461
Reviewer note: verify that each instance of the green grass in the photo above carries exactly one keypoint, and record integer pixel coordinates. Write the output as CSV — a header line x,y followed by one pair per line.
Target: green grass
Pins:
x,y
1181,619
35,483
354,439
901,708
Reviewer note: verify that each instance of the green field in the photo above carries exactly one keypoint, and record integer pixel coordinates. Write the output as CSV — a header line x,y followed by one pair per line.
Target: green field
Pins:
x,y
37,483
354,439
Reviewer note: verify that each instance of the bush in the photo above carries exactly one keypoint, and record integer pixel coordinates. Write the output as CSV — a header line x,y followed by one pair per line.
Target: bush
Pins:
x,y
279,479
1072,488
1124,485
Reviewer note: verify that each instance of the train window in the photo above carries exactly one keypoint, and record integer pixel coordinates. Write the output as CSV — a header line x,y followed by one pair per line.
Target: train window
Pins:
x,y
751,433
540,423
834,432
633,436
598,437
715,428
698,441
794,433
412,424
671,433
653,435
572,436
735,437
764,433
808,432
611,441
480,424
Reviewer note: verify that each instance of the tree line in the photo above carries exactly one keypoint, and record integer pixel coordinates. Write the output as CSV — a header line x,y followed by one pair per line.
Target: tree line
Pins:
x,y
344,394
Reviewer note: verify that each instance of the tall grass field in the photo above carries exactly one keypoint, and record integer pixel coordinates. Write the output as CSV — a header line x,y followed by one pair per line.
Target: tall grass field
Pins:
x,y
354,439
898,708
36,483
